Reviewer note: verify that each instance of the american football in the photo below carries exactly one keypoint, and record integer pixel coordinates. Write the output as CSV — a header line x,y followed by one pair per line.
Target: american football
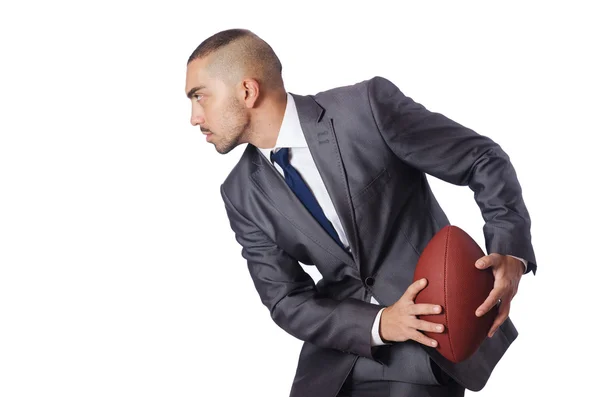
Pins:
x,y
453,281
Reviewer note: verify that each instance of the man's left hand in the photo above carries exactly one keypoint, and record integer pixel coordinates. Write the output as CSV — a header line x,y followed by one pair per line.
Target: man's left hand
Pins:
x,y
507,274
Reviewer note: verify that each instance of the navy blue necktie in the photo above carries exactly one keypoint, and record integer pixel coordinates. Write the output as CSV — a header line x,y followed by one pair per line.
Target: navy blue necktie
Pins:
x,y
299,187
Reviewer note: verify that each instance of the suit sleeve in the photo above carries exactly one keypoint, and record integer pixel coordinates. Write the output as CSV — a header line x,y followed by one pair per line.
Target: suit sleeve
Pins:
x,y
443,148
291,296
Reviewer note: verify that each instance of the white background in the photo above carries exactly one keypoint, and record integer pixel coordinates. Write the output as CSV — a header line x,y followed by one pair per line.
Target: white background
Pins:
x,y
119,273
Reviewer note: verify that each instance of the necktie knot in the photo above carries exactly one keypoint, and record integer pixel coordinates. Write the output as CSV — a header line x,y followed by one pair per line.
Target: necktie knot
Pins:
x,y
281,157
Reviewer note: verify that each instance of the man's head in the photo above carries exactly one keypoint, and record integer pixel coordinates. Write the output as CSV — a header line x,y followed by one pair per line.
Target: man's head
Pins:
x,y
230,77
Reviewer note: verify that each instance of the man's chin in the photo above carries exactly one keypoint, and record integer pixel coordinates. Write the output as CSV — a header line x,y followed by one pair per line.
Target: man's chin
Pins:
x,y
224,150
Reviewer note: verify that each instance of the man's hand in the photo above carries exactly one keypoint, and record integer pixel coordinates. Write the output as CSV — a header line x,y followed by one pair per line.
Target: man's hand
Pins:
x,y
399,321
507,274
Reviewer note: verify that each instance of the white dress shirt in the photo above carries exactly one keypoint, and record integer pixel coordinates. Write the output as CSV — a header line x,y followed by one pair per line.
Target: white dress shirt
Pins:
x,y
291,136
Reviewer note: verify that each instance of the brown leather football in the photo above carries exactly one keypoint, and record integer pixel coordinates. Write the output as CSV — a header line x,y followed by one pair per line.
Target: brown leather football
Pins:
x,y
453,281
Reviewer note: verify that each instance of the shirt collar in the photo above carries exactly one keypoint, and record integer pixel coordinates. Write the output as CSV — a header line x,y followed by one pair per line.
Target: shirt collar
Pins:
x,y
290,133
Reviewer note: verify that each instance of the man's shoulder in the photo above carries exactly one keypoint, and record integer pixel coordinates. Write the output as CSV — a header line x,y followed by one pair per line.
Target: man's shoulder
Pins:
x,y
362,85
349,93
343,89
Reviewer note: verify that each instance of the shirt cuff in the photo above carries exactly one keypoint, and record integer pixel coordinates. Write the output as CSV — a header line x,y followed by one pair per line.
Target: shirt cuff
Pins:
x,y
522,260
375,338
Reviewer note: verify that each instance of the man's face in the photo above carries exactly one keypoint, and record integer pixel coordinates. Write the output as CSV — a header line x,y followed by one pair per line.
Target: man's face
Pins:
x,y
220,114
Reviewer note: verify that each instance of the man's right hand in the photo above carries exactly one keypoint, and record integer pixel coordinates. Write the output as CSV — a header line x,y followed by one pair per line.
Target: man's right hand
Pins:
x,y
399,321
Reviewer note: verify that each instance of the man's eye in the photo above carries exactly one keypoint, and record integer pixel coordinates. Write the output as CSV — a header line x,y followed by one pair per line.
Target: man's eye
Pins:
x,y
197,97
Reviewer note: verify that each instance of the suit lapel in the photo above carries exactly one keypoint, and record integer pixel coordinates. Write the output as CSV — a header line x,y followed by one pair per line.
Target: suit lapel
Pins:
x,y
323,147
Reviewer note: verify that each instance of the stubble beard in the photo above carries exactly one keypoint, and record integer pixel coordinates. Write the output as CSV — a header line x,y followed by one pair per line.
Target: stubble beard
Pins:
x,y
238,123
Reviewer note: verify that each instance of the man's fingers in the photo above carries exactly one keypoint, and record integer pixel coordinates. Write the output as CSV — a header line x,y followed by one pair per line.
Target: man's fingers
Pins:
x,y
487,261
491,300
414,288
501,317
421,309
423,325
419,337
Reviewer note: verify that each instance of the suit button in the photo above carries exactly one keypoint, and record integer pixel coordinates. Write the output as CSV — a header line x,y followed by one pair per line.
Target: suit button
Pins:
x,y
369,281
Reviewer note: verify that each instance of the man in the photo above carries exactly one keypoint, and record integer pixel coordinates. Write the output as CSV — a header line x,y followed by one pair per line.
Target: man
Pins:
x,y
337,180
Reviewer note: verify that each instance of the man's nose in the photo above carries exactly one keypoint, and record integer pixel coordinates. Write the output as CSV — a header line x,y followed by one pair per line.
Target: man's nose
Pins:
x,y
197,119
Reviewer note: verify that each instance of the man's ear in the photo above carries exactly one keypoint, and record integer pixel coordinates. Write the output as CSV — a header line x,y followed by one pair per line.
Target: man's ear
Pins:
x,y
250,92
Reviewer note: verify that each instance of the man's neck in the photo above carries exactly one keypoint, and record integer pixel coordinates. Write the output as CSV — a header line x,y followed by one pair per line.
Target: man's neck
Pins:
x,y
268,123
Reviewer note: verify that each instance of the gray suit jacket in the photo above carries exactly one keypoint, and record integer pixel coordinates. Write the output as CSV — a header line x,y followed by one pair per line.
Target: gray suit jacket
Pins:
x,y
372,146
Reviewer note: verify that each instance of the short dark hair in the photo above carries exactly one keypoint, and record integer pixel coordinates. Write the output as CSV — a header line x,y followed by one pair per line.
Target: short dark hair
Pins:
x,y
216,41
262,50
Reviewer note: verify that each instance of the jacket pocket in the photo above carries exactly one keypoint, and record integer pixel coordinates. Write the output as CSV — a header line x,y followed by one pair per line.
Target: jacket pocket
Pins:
x,y
374,188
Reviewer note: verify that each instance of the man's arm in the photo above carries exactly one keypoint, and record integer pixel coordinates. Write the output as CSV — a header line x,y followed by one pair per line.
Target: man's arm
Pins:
x,y
292,298
443,148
